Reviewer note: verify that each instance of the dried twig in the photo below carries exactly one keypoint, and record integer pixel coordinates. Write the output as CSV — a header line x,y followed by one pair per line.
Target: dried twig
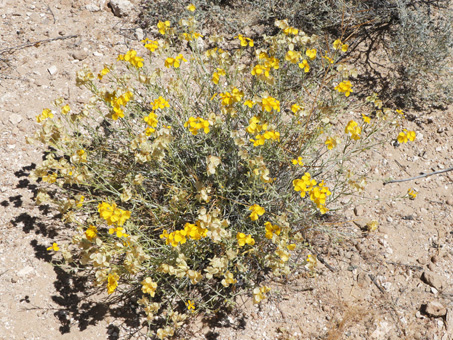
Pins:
x,y
417,177
332,269
36,44
376,284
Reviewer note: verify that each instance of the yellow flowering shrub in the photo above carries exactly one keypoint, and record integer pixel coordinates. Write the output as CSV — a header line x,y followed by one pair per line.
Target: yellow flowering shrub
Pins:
x,y
181,185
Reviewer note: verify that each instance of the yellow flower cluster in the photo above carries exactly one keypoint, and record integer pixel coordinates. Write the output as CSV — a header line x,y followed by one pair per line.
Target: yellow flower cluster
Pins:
x,y
256,212
192,231
317,194
160,103
261,71
298,161
91,232
271,230
337,44
254,126
117,103
152,121
405,136
112,214
353,130
112,282
190,36
149,286
163,27
244,40
216,75
151,45
291,30
259,294
196,124
244,239
268,104
344,87
311,53
331,143
293,56
261,139
229,98
103,72
174,62
46,113
132,58
412,194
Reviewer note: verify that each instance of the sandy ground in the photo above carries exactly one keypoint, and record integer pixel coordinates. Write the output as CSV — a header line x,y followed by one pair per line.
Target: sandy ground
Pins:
x,y
378,285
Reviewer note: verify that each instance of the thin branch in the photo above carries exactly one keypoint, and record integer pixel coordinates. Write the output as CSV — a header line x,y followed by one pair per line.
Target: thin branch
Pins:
x,y
417,177
36,44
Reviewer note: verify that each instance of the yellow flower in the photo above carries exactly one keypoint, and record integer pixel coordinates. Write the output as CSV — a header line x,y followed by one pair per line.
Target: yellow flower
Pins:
x,y
292,56
269,103
366,119
104,71
151,119
295,108
311,53
412,194
411,135
174,62
91,232
46,113
259,294
256,212
271,230
305,66
353,130
245,41
149,286
338,44
330,60
65,109
344,87
196,124
54,247
216,75
331,143
151,45
244,239
402,138
191,8
400,112
249,103
162,26
112,282
297,161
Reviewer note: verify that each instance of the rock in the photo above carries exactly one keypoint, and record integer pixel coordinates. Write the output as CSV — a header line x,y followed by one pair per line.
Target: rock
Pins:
x,y
435,259
25,271
435,308
450,201
139,34
433,279
52,70
80,55
358,211
92,8
121,8
449,322
15,119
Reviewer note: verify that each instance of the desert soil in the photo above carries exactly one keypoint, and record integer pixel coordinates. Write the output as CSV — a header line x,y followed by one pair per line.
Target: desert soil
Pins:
x,y
395,283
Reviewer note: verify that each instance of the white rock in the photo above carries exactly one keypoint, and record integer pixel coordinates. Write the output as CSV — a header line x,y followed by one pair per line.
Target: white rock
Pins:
x,y
25,271
98,54
15,119
121,8
139,34
92,8
52,70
